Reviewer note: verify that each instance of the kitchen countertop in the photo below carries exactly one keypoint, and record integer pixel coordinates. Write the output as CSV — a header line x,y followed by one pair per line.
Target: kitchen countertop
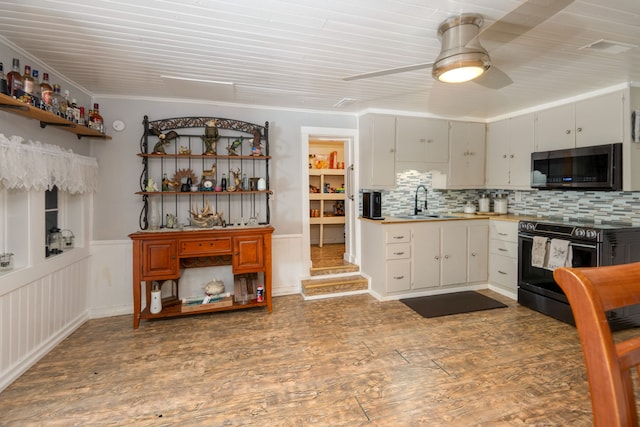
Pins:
x,y
455,216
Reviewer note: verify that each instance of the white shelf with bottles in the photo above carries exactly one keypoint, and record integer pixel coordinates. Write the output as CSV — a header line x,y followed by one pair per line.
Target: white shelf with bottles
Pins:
x,y
185,147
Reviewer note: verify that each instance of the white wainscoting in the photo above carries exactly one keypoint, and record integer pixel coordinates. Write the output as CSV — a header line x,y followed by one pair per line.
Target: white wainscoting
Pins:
x,y
38,315
287,264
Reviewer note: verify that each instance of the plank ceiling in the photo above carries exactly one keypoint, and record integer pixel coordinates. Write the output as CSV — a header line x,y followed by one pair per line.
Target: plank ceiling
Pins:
x,y
295,53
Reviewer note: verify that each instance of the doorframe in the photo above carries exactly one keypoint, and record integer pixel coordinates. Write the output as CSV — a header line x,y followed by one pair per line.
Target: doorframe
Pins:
x,y
352,235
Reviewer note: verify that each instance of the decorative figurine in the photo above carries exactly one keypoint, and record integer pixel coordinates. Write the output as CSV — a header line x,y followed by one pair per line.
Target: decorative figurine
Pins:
x,y
210,137
163,139
256,144
151,186
234,146
208,181
184,150
205,217
237,181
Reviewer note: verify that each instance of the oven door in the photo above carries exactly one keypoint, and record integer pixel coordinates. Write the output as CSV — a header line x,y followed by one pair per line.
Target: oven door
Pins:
x,y
540,280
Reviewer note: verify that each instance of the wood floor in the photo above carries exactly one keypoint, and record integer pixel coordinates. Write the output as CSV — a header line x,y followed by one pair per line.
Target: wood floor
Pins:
x,y
348,361
329,255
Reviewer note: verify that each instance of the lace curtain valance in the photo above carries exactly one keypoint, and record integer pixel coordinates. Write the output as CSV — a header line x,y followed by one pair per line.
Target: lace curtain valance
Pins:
x,y
36,166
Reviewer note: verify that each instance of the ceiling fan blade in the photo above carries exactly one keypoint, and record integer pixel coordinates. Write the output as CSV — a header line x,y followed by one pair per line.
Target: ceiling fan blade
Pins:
x,y
522,19
494,78
389,71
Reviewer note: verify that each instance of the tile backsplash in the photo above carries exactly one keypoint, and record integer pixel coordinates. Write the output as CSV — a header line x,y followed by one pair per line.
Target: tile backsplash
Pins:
x,y
598,206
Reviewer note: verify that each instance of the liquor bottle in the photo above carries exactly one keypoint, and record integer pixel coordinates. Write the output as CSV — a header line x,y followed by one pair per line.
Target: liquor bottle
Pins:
x,y
37,97
28,84
59,103
97,122
72,108
46,92
3,81
80,117
14,78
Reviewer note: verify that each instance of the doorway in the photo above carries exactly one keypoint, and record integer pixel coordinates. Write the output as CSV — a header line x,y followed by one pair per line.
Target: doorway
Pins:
x,y
329,217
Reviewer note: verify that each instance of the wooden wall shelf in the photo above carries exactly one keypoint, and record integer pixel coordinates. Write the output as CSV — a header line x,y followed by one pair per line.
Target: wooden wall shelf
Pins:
x,y
47,118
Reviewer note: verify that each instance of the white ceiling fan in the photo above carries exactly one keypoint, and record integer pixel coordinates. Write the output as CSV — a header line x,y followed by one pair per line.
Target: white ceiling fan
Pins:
x,y
462,57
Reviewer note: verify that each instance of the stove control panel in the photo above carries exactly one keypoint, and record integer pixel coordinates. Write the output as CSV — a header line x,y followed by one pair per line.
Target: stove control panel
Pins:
x,y
559,230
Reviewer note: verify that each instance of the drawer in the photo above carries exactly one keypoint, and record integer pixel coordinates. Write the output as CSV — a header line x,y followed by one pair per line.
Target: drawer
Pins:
x,y
398,235
218,246
503,271
398,276
501,247
504,230
399,251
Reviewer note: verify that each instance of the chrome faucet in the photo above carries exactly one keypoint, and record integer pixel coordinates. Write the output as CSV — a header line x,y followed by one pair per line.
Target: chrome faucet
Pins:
x,y
416,211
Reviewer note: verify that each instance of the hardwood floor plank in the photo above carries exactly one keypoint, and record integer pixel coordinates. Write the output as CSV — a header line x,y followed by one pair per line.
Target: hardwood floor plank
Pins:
x,y
348,361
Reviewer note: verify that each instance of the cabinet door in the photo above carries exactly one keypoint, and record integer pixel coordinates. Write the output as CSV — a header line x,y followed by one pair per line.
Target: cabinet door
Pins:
x,y
422,140
454,254
377,152
521,141
478,256
426,256
248,254
599,120
160,259
498,153
555,128
467,154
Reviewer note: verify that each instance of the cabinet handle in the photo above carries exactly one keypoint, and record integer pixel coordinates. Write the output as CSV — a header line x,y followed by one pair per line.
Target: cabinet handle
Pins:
x,y
473,254
502,249
349,188
504,156
579,129
398,237
437,257
398,277
398,253
503,234
446,257
511,156
173,257
502,272
568,131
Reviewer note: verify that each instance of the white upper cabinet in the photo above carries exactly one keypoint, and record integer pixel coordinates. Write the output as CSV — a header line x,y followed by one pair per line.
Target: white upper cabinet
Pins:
x,y
599,120
422,143
377,151
509,146
593,121
466,168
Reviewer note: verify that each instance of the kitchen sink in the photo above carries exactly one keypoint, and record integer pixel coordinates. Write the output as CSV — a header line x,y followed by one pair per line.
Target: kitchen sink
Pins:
x,y
428,216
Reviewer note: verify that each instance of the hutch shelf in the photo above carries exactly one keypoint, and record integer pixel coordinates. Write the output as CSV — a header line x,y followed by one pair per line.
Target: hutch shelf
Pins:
x,y
203,150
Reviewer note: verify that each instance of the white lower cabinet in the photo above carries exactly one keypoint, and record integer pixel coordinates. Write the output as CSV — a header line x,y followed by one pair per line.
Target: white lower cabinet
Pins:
x,y
418,256
503,255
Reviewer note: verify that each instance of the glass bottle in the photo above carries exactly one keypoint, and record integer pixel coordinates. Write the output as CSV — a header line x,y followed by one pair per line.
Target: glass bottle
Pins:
x,y
46,92
71,108
36,89
59,103
97,122
80,116
223,182
14,78
28,84
3,81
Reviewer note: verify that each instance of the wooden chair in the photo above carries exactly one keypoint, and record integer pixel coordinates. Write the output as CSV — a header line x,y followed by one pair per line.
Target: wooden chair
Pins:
x,y
591,292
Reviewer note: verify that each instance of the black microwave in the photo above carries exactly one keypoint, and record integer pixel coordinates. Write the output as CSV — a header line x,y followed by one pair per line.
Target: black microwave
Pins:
x,y
585,168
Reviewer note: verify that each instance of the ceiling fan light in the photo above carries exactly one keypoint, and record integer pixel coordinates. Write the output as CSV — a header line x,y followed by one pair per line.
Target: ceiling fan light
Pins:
x,y
459,73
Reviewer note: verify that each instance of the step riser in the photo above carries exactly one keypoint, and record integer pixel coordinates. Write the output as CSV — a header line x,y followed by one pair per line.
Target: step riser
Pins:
x,y
334,286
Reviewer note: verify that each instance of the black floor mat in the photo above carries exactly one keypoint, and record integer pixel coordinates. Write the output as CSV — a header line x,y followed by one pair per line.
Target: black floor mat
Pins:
x,y
455,303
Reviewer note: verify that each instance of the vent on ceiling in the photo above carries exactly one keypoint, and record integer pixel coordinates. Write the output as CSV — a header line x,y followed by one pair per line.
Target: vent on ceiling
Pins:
x,y
609,46
344,102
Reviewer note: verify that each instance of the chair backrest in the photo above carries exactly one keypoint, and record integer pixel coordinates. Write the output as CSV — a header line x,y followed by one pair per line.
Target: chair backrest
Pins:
x,y
591,292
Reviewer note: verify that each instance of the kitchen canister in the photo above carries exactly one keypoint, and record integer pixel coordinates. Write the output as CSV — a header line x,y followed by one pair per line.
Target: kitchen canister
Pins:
x,y
156,300
500,204
483,203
